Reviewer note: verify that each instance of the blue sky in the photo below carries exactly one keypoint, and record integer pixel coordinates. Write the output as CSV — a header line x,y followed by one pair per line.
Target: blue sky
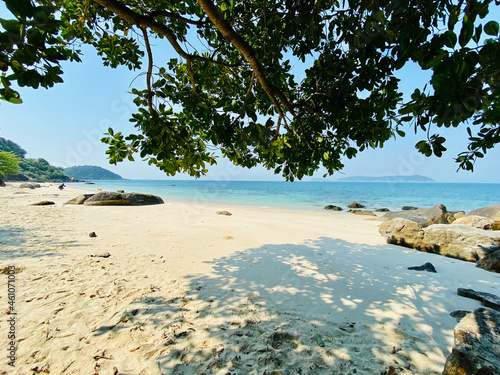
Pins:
x,y
64,124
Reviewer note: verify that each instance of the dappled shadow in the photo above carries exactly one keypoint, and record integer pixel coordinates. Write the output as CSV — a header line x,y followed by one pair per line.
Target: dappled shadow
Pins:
x,y
16,242
326,306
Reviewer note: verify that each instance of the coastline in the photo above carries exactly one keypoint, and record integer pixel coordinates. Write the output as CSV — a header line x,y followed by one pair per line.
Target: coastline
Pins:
x,y
186,290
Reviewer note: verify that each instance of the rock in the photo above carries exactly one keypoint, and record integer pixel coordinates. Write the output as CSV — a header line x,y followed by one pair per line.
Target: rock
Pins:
x,y
429,267
458,215
459,314
2,183
487,299
475,221
227,213
382,210
456,241
107,198
355,205
476,350
80,199
425,217
491,262
120,191
362,212
42,203
333,208
409,208
92,235
489,212
30,185
102,255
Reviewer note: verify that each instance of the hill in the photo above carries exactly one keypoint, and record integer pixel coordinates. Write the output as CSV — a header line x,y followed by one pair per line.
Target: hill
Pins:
x,y
32,169
395,178
91,172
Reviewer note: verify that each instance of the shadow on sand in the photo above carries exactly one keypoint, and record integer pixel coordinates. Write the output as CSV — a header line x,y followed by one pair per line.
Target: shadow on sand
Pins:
x,y
323,307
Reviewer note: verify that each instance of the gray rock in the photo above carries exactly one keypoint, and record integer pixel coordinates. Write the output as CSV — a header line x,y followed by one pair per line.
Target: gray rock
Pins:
x,y
355,205
425,217
491,262
382,210
476,350
409,208
475,221
43,203
333,208
429,267
92,235
80,199
487,299
2,183
30,185
456,241
107,198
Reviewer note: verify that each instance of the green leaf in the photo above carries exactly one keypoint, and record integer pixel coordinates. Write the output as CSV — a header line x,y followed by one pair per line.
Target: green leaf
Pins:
x,y
491,28
466,32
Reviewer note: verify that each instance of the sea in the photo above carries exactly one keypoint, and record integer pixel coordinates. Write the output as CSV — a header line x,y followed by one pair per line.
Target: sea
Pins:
x,y
311,195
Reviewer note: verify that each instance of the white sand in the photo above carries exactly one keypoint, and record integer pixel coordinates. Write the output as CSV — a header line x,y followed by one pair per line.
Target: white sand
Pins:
x,y
186,291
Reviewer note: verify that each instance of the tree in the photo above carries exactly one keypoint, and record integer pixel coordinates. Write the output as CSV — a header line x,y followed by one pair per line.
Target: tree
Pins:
x,y
7,145
232,83
9,164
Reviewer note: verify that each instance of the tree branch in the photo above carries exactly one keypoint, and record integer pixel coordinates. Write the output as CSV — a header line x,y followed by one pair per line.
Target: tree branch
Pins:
x,y
140,20
150,69
165,13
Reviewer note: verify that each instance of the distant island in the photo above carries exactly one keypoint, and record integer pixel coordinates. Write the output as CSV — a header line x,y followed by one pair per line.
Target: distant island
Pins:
x,y
91,172
395,178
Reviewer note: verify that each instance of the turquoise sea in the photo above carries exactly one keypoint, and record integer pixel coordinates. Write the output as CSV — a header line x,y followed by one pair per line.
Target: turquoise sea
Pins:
x,y
313,195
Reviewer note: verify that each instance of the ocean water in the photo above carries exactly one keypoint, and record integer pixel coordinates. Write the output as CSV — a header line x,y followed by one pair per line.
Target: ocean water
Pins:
x,y
313,195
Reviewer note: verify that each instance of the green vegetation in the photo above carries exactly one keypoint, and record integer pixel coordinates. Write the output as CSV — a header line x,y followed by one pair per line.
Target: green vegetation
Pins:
x,y
233,85
29,169
9,164
90,172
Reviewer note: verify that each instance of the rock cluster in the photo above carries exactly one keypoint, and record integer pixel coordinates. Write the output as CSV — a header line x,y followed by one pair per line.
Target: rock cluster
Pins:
x,y
470,237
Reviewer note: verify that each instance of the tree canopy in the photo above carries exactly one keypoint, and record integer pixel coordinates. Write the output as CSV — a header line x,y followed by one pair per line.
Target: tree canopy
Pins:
x,y
9,164
233,83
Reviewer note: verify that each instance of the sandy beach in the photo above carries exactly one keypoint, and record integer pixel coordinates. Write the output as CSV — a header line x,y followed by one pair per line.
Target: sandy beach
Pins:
x,y
187,291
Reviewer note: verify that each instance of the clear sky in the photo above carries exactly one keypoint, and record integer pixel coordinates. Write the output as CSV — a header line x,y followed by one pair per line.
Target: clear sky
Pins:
x,y
65,123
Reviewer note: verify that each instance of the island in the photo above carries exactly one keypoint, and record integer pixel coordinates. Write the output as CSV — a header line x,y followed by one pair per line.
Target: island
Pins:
x,y
91,172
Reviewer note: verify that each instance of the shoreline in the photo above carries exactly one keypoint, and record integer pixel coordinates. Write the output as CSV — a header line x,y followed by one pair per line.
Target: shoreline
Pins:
x,y
187,291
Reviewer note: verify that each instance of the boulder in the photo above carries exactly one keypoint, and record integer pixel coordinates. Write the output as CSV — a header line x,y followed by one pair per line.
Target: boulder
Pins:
x,y
475,221
43,203
80,199
476,348
108,198
456,241
425,217
30,185
458,215
333,208
2,183
226,213
382,210
491,262
355,205
489,212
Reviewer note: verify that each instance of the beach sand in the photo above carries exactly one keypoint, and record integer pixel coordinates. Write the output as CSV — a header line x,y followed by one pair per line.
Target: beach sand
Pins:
x,y
187,291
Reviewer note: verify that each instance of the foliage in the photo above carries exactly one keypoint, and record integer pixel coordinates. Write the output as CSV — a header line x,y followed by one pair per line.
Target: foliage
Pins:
x,y
7,145
9,164
91,172
41,170
233,84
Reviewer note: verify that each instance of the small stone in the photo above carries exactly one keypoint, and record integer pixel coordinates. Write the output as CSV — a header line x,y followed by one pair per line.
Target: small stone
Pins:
x,y
226,213
103,255
92,235
43,203
429,267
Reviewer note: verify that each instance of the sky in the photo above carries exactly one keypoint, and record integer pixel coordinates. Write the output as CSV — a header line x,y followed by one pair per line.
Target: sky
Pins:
x,y
64,125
